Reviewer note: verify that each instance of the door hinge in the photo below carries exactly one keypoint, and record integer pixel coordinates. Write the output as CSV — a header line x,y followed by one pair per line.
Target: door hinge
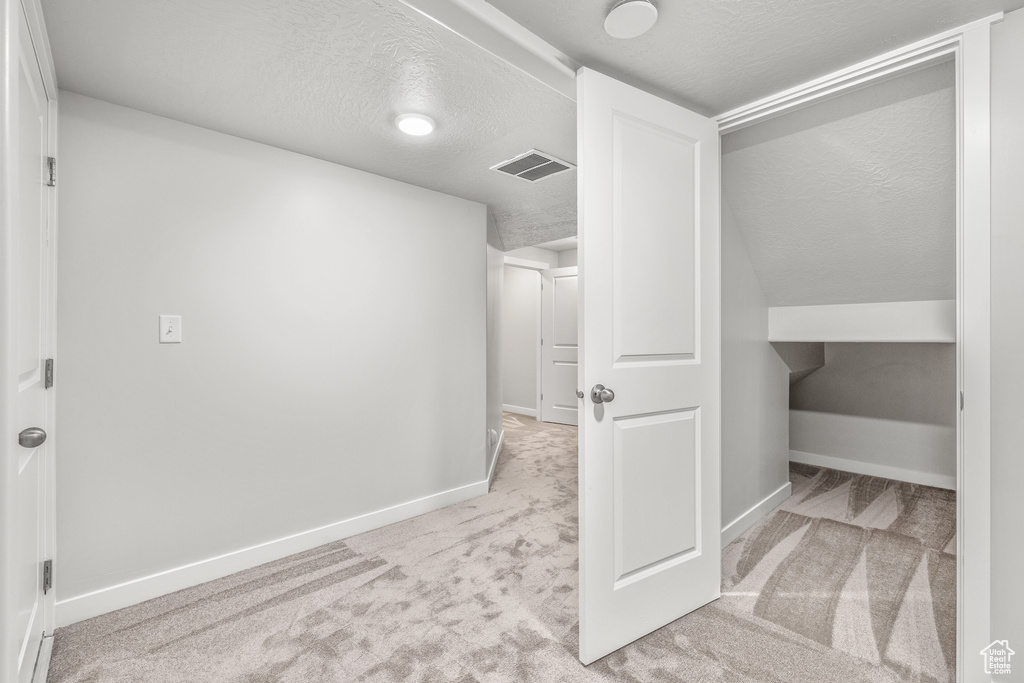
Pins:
x,y
542,341
48,374
961,401
47,575
51,164
542,397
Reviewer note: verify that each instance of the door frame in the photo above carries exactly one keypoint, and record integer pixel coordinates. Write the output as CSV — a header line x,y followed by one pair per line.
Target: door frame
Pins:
x,y
969,47
9,28
539,266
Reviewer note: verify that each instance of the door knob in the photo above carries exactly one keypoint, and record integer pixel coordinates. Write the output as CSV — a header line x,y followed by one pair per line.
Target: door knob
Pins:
x,y
601,395
579,393
31,437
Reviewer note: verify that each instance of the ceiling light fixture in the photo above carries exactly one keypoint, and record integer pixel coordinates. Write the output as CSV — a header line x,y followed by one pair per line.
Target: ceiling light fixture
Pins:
x,y
631,18
415,124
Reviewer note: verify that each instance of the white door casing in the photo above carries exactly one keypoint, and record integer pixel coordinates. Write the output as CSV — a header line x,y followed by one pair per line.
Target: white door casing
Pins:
x,y
26,318
650,531
560,346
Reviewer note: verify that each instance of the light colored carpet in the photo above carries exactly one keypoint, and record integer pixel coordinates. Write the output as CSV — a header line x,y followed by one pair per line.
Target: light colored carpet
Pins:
x,y
851,580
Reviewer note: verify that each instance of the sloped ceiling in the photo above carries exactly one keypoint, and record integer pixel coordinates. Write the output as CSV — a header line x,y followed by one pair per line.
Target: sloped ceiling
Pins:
x,y
326,78
852,200
715,55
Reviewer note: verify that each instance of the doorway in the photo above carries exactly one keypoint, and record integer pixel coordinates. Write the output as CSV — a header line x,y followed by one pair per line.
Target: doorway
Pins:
x,y
839,232
521,335
969,47
540,332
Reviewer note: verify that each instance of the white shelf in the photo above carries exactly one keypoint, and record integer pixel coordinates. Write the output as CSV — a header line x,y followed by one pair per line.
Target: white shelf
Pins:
x,y
898,321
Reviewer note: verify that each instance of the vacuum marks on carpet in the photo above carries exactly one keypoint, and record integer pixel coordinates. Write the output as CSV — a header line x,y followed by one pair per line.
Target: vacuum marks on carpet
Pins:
x,y
857,564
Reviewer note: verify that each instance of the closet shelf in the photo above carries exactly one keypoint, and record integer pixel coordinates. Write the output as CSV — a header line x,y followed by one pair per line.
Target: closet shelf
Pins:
x,y
896,321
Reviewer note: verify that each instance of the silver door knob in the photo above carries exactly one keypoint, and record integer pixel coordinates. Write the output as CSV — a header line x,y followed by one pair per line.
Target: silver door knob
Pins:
x,y
601,395
31,437
579,393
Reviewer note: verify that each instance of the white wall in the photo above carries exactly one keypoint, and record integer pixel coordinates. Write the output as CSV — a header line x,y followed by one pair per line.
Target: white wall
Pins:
x,y
332,365
520,339
536,254
755,401
904,382
883,405
495,284
1008,331
554,259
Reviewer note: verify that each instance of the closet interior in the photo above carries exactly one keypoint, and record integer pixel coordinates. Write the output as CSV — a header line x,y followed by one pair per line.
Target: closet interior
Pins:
x,y
839,290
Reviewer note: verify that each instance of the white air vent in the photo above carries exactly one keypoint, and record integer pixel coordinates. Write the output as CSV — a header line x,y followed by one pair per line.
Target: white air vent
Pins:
x,y
533,166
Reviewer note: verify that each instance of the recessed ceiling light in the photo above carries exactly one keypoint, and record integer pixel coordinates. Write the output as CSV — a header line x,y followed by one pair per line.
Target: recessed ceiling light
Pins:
x,y
631,18
415,124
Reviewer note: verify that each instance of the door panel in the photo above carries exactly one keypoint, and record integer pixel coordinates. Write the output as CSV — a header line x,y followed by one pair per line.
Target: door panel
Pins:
x,y
655,457
560,349
650,532
564,394
566,318
655,310
30,275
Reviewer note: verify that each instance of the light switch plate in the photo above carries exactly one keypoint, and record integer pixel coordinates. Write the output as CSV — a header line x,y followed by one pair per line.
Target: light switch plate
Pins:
x,y
170,329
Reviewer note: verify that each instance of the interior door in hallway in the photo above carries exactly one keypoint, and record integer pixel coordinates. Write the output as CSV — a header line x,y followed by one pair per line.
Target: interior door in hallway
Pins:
x,y
650,532
27,309
559,346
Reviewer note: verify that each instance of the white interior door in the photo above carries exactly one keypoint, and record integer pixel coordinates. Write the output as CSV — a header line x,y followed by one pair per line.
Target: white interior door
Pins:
x,y
650,532
560,346
28,317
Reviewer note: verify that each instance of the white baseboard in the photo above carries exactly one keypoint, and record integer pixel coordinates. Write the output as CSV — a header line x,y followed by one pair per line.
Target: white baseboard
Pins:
x,y
738,526
85,606
494,458
941,481
519,410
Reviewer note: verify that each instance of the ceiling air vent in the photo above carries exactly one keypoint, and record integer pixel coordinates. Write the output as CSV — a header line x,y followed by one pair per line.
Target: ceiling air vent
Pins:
x,y
533,166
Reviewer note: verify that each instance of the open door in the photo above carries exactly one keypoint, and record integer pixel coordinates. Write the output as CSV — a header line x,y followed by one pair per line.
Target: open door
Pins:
x,y
650,531
26,313
559,349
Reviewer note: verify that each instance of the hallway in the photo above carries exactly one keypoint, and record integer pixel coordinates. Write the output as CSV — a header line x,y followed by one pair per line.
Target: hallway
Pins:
x,y
486,591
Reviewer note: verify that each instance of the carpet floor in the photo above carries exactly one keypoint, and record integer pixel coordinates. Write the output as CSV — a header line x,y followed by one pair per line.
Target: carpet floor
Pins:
x,y
852,579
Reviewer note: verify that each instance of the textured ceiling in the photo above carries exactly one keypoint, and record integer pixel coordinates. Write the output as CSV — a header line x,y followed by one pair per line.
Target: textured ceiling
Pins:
x,y
326,78
715,55
852,200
